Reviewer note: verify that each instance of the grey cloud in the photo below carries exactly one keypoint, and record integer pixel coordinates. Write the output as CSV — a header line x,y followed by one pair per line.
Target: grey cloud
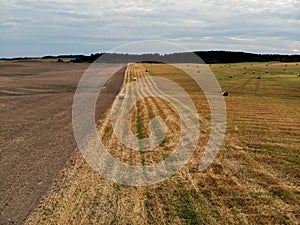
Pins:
x,y
246,25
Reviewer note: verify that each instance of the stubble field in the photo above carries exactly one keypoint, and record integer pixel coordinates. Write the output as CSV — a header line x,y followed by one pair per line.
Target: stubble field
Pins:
x,y
253,180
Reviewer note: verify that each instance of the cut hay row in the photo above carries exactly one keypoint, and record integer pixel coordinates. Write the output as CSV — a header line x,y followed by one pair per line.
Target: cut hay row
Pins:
x,y
151,107
154,106
158,201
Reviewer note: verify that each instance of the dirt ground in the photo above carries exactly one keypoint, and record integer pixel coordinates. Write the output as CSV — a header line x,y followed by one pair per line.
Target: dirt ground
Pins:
x,y
36,138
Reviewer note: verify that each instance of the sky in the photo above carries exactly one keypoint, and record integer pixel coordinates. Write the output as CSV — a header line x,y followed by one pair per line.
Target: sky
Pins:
x,y
54,27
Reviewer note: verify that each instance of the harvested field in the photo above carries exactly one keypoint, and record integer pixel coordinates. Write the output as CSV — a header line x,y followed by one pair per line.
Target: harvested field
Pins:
x,y
36,129
254,179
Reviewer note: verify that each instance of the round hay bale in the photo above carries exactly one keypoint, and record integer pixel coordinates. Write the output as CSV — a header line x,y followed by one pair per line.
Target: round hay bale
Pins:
x,y
121,96
231,77
283,69
298,75
225,93
244,72
267,71
147,70
258,77
253,72
134,79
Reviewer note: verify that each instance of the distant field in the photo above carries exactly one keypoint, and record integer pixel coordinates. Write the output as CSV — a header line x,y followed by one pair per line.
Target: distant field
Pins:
x,y
255,178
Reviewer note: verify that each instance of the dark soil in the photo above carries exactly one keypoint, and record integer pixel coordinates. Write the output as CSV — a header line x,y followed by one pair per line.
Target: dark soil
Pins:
x,y
37,138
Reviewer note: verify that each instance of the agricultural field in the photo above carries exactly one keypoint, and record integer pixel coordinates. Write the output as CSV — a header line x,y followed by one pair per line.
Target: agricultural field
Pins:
x,y
37,140
255,178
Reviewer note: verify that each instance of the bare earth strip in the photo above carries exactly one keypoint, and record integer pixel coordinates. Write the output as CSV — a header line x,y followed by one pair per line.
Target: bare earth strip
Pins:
x,y
36,130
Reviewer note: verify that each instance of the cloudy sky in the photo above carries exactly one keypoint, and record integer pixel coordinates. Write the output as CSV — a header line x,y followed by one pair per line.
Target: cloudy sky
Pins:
x,y
44,27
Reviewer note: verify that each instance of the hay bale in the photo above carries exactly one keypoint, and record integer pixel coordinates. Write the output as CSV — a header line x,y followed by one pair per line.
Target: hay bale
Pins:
x,y
298,75
225,93
134,79
244,72
267,71
121,96
283,69
253,72
231,77
147,70
258,77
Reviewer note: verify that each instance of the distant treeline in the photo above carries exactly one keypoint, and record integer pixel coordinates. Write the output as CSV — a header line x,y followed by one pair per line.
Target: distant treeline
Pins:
x,y
195,57
184,57
233,57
